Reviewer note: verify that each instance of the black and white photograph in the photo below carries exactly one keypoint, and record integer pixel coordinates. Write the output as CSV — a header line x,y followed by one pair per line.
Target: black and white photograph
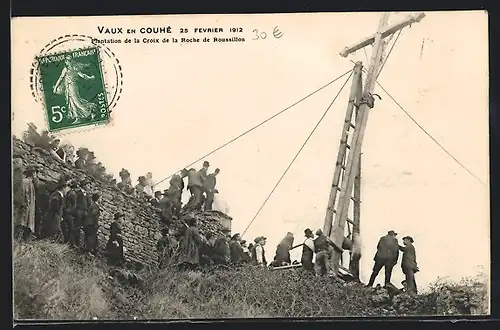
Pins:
x,y
249,166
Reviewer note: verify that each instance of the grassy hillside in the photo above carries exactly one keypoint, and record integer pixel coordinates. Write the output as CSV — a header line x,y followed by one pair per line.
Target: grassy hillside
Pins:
x,y
53,282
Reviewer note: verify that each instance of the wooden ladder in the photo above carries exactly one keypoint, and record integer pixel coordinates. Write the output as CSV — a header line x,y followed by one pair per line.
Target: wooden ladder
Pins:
x,y
355,98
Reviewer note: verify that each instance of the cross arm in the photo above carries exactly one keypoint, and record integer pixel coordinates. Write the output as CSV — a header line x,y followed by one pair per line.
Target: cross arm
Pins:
x,y
385,33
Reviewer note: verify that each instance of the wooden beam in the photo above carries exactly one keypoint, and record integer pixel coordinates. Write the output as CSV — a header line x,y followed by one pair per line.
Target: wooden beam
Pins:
x,y
337,235
327,224
385,33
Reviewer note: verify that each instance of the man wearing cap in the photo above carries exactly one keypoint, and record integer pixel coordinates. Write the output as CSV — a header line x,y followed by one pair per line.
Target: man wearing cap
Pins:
x,y
51,226
258,252
409,264
25,223
386,257
70,214
91,223
114,247
209,187
308,251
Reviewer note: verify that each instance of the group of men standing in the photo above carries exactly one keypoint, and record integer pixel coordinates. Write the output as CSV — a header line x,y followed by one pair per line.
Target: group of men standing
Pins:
x,y
201,185
61,212
387,256
189,249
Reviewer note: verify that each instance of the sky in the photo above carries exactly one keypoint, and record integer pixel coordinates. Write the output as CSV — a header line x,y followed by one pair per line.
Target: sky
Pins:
x,y
181,101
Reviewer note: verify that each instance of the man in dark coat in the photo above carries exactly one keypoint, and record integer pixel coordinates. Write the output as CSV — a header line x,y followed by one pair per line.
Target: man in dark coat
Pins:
x,y
91,224
190,246
386,257
155,201
209,187
222,252
409,264
82,207
308,251
81,162
321,248
236,250
204,170
114,247
174,193
70,214
282,256
51,226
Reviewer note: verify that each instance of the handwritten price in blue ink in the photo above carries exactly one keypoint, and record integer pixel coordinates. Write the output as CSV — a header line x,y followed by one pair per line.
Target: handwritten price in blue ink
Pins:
x,y
263,35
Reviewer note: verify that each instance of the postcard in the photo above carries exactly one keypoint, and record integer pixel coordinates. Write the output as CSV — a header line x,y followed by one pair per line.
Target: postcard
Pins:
x,y
250,166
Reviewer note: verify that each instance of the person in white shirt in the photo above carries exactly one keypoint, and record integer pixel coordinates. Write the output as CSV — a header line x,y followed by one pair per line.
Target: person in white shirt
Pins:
x,y
258,253
219,204
308,251
150,186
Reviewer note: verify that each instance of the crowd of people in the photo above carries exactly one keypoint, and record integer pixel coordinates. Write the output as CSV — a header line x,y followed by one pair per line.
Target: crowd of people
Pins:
x,y
67,210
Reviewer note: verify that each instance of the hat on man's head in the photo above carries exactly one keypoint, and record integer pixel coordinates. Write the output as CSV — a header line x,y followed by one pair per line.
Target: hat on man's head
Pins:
x,y
392,232
31,169
205,163
235,236
260,238
408,238
158,192
243,242
118,215
319,232
308,232
73,184
141,178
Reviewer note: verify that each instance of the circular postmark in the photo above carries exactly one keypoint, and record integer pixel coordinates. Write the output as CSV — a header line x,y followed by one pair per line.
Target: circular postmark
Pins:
x,y
78,80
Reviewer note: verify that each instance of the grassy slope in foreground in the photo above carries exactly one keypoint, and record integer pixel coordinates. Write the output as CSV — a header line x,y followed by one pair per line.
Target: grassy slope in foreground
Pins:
x,y
53,282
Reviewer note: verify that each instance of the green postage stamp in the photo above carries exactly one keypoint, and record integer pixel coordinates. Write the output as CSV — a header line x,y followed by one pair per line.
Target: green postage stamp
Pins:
x,y
73,89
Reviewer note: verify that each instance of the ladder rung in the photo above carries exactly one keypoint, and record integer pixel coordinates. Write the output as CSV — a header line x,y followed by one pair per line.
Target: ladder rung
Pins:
x,y
348,146
347,219
352,125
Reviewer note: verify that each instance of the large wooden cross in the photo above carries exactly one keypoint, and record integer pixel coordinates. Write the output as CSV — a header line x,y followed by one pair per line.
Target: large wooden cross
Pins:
x,y
353,161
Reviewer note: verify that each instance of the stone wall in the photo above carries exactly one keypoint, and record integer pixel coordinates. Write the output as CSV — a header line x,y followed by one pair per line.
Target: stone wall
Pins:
x,y
141,228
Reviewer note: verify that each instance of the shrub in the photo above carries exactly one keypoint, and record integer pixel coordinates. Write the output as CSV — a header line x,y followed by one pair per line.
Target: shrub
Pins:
x,y
51,281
